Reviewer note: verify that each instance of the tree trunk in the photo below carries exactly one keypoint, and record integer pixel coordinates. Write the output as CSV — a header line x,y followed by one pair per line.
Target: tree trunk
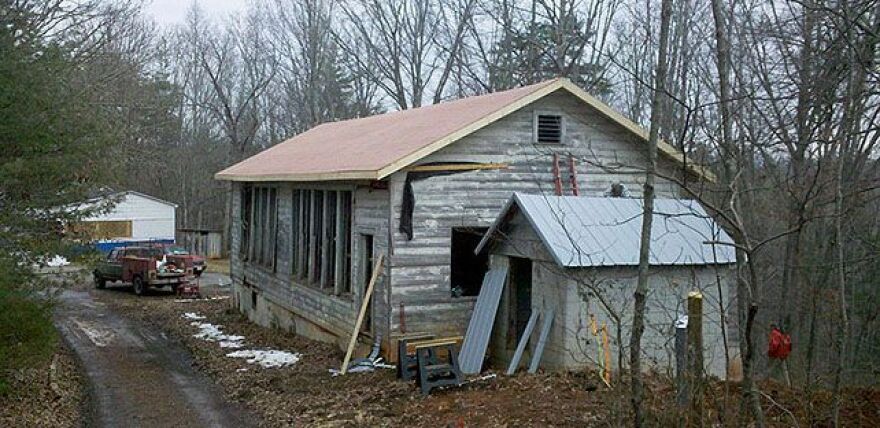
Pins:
x,y
640,295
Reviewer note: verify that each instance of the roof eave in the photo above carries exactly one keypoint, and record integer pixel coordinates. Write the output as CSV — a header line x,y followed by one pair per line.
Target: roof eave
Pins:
x,y
324,176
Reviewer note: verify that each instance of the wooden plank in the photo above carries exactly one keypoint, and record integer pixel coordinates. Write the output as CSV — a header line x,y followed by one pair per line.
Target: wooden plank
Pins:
x,y
325,238
479,330
295,219
341,235
304,245
252,214
310,262
457,167
542,342
433,342
523,341
360,319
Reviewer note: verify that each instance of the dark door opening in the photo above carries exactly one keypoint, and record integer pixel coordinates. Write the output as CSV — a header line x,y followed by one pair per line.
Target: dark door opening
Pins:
x,y
467,268
520,299
367,263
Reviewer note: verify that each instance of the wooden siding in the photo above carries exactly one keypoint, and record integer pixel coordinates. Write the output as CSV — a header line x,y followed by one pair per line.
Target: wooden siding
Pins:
x,y
420,273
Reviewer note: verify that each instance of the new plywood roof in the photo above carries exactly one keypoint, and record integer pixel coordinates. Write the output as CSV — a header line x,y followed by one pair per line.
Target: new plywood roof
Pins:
x,y
374,147
600,231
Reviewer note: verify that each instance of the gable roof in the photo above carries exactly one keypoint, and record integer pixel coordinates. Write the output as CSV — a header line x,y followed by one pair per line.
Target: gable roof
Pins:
x,y
107,195
374,147
600,231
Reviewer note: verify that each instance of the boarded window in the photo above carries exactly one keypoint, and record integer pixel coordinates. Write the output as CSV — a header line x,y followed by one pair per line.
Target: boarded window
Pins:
x,y
548,128
103,229
467,268
321,246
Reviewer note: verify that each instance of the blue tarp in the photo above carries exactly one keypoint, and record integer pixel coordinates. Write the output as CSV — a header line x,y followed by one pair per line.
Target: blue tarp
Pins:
x,y
107,246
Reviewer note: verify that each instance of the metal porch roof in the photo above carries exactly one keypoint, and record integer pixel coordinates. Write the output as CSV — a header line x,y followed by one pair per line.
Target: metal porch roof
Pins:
x,y
601,231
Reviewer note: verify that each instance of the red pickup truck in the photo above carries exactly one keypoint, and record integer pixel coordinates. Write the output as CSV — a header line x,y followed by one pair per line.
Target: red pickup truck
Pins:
x,y
143,267
183,258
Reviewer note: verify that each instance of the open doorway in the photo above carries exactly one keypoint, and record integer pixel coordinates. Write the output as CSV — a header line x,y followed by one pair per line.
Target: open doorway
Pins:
x,y
467,268
520,301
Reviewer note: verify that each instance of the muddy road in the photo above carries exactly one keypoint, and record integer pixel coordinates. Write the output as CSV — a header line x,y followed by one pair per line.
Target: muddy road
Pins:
x,y
138,377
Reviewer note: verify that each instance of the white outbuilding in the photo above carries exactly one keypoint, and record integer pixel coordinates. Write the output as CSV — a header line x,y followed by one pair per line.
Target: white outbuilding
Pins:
x,y
135,217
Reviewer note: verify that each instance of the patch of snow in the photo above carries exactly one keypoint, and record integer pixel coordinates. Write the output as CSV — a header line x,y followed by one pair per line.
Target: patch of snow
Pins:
x,y
213,333
100,336
268,359
57,261
193,316
200,300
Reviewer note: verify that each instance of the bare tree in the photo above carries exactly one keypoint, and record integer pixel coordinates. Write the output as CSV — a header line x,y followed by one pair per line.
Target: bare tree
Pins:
x,y
638,327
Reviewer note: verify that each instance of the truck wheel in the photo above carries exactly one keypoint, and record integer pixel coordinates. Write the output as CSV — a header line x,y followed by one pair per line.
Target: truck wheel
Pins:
x,y
100,282
139,287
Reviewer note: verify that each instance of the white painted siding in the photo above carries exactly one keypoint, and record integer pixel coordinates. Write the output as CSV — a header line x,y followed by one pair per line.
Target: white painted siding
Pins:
x,y
150,218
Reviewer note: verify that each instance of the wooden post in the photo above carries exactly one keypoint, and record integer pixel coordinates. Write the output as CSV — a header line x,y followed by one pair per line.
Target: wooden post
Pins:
x,y
681,367
573,177
606,349
695,358
310,260
360,319
326,227
341,237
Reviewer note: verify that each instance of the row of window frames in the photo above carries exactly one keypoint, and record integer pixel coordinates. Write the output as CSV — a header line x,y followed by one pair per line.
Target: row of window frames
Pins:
x,y
314,260
327,216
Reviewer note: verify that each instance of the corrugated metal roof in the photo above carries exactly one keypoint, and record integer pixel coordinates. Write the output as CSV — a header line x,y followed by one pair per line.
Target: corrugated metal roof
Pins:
x,y
479,331
600,231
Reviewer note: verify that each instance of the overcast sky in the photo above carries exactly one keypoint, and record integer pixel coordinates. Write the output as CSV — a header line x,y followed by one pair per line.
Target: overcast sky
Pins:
x,y
170,12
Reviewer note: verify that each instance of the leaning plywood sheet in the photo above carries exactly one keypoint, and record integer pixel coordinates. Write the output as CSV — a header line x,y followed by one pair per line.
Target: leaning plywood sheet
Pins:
x,y
476,340
523,341
542,342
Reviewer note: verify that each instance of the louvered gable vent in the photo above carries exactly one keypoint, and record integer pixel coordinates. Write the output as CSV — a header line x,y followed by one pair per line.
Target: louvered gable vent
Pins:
x,y
548,128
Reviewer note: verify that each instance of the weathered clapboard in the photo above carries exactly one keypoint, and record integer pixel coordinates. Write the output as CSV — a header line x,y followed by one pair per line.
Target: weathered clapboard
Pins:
x,y
476,340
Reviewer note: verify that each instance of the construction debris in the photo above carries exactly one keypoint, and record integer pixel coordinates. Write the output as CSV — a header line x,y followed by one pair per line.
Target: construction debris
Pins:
x,y
476,340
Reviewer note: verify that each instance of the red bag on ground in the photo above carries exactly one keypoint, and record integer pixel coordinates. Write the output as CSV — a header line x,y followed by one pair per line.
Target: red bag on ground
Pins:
x,y
779,345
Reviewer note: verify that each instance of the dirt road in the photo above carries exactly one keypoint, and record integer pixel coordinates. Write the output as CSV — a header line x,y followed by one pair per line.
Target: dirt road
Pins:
x,y
138,376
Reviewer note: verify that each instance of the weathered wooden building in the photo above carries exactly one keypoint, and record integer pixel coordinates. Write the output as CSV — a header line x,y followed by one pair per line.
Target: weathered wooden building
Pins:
x,y
420,187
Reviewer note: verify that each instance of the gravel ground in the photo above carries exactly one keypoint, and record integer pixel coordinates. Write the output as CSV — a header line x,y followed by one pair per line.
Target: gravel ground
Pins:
x,y
49,396
306,395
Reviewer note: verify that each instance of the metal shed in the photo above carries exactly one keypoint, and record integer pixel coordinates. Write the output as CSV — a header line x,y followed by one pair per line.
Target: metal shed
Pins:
x,y
578,257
